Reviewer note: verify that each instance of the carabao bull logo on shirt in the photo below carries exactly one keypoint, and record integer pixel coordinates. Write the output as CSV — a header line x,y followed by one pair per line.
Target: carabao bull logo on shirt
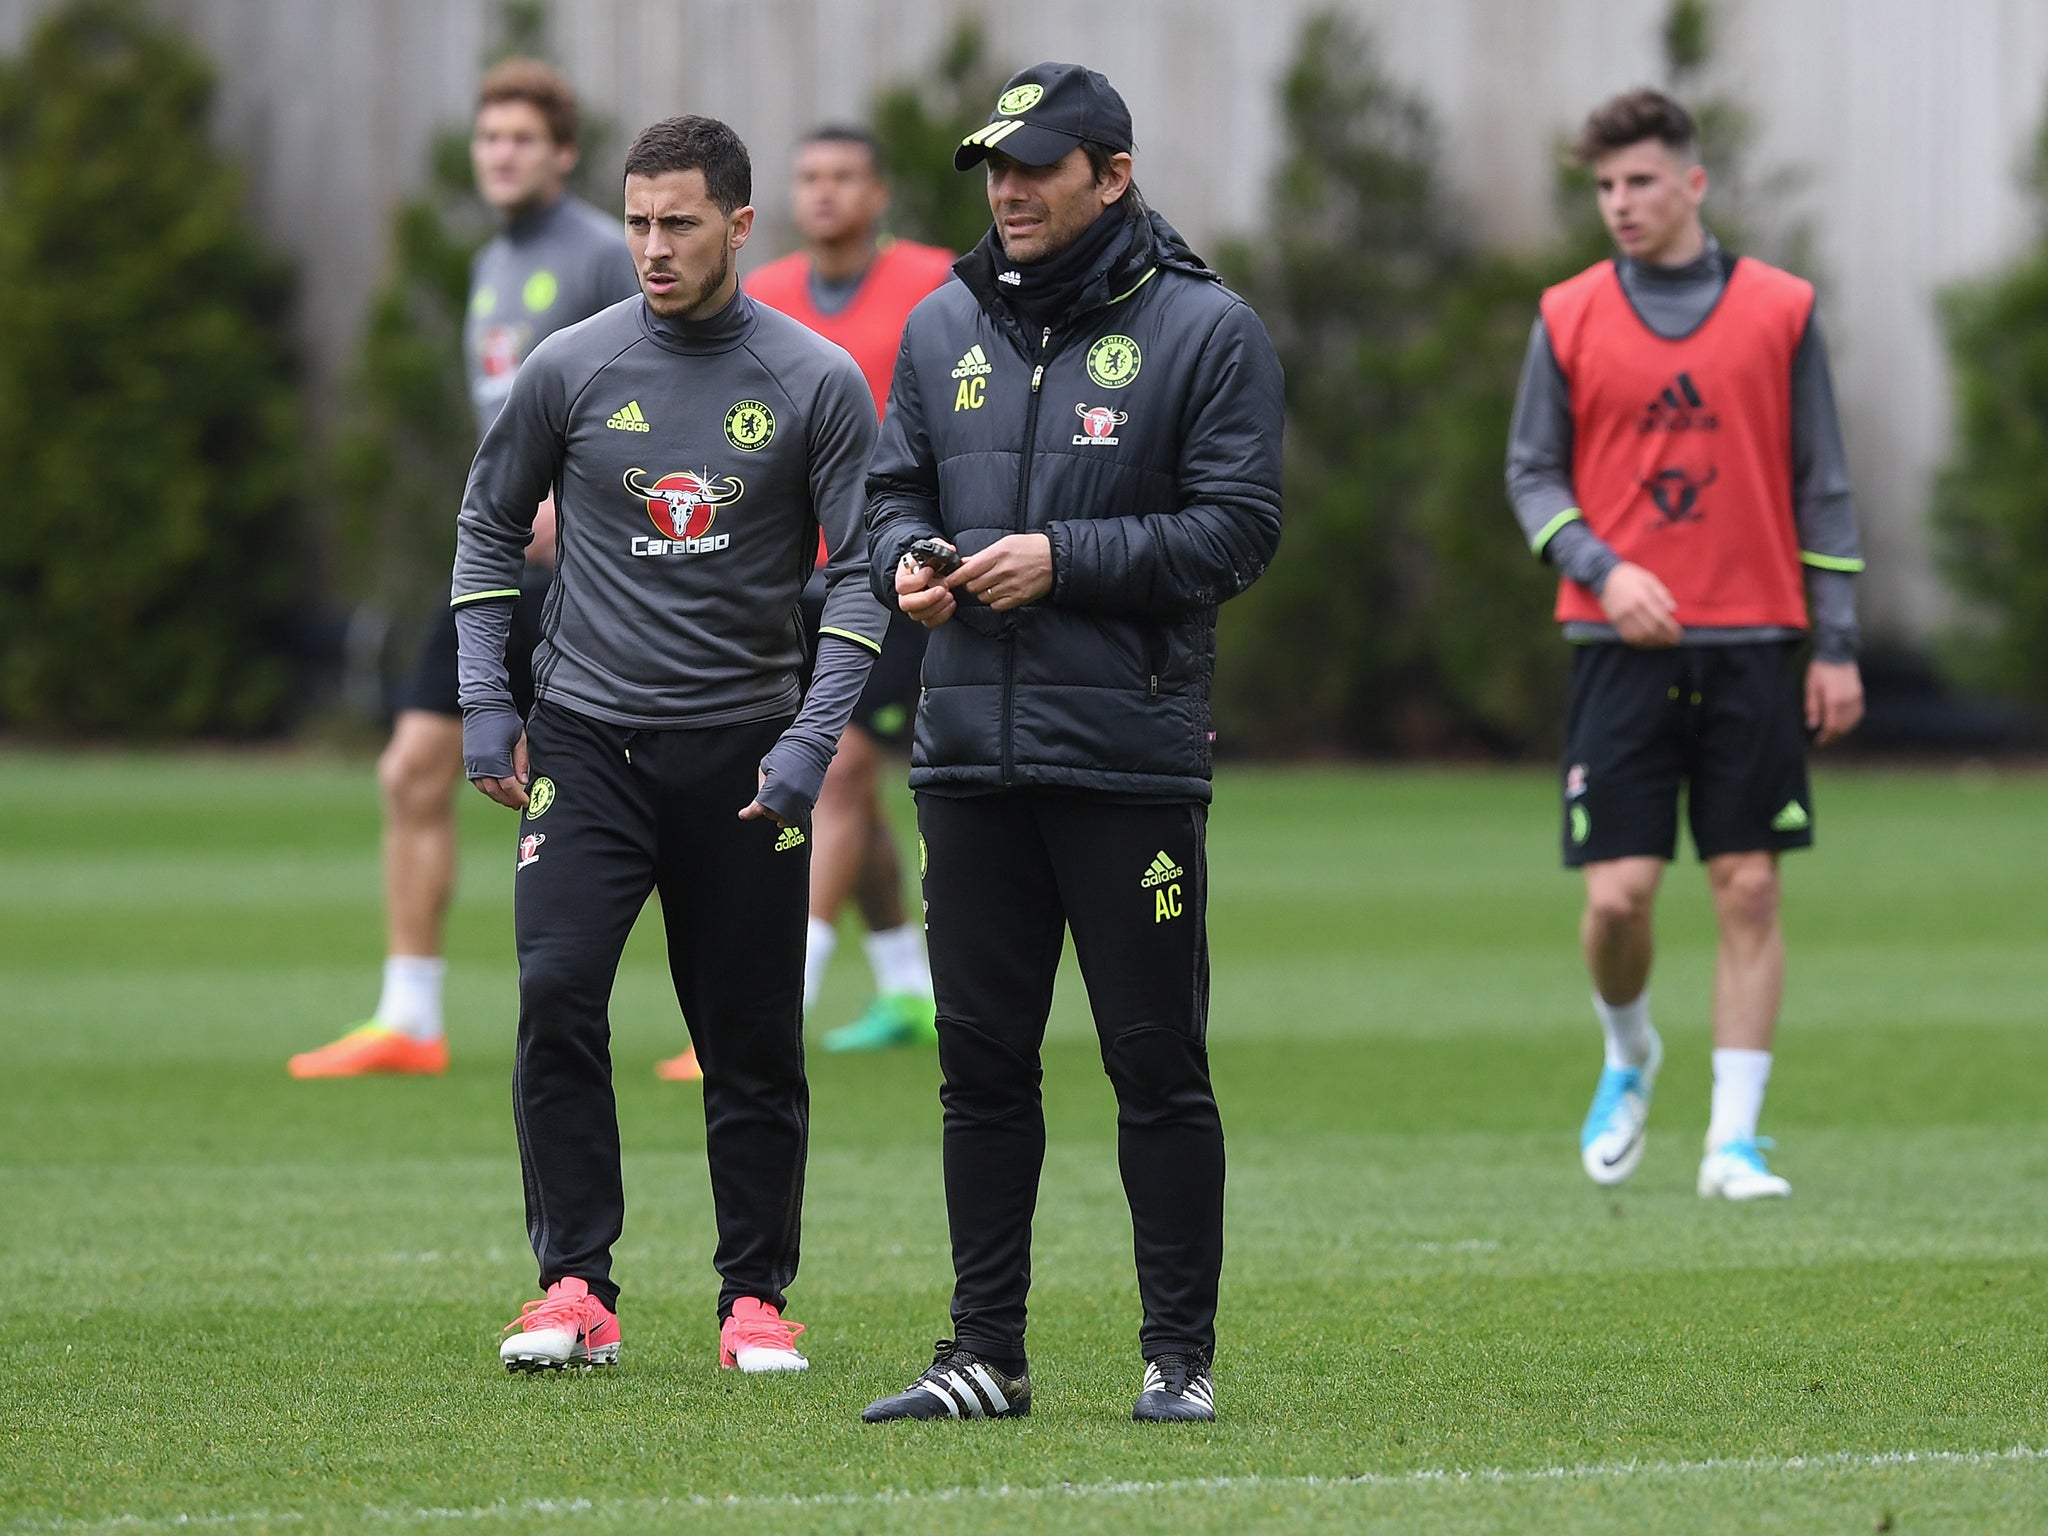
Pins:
x,y
683,505
1676,491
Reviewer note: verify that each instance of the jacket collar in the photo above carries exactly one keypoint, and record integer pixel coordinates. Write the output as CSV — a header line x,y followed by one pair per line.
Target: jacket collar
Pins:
x,y
1157,246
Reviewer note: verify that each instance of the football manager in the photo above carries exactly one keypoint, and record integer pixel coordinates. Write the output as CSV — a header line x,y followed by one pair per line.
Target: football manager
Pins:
x,y
1088,422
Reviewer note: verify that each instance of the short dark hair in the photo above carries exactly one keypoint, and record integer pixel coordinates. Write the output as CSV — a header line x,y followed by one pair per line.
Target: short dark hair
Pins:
x,y
692,143
1630,119
845,133
538,85
1099,156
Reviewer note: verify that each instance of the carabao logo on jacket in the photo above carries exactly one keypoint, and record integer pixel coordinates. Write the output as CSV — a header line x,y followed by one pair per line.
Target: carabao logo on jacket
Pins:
x,y
683,505
1098,426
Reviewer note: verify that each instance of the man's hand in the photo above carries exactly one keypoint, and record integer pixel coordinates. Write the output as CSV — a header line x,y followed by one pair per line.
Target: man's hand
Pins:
x,y
512,790
923,599
1643,611
1834,700
542,550
1013,571
754,810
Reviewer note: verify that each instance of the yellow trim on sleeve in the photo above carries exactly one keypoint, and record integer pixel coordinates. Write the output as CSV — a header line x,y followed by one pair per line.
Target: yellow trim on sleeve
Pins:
x,y
1549,529
482,597
1829,562
847,634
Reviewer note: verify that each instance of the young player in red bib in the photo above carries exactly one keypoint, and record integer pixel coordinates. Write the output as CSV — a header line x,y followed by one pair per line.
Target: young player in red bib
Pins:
x,y
1675,453
855,286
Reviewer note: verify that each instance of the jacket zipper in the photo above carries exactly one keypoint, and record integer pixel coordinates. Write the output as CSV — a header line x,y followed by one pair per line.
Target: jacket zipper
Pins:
x,y
1023,511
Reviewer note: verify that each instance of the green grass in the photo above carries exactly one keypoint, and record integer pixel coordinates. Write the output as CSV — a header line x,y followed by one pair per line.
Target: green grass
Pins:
x,y
241,1300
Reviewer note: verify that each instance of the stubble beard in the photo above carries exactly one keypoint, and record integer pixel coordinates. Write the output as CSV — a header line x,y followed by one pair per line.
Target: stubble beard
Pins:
x,y
678,306
694,310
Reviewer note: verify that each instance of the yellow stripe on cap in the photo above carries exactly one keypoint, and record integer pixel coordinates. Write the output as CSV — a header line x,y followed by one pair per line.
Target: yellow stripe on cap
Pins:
x,y
989,135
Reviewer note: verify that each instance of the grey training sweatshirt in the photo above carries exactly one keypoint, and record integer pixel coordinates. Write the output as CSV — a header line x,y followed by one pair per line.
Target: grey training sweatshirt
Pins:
x,y
544,270
692,466
1673,302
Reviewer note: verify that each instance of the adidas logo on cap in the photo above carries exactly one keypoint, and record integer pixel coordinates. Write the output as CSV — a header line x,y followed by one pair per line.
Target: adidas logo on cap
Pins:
x,y
973,364
627,418
1162,869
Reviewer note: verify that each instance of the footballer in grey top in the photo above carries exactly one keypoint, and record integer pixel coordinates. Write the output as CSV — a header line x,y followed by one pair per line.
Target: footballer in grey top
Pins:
x,y
693,465
547,268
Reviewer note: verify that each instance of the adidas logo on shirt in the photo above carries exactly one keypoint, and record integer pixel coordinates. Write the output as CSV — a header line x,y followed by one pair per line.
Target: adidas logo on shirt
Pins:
x,y
1162,870
1679,408
627,418
973,364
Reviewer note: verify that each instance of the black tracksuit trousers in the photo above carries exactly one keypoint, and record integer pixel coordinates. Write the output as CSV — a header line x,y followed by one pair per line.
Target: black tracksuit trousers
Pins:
x,y
1005,875
628,812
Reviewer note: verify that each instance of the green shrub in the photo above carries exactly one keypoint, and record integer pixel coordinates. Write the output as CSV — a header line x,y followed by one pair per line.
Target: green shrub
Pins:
x,y
1991,503
149,421
920,125
402,448
1403,612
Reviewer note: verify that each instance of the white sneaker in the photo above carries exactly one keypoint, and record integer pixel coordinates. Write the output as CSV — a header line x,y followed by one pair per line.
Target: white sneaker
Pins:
x,y
1611,1140
1736,1171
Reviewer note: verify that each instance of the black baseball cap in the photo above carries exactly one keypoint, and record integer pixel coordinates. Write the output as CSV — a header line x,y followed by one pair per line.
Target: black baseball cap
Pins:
x,y
1046,110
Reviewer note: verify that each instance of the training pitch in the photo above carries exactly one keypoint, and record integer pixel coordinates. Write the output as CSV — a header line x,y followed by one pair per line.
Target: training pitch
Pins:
x,y
244,1302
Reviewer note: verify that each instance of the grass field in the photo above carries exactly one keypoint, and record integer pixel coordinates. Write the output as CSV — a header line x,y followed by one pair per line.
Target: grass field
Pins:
x,y
241,1301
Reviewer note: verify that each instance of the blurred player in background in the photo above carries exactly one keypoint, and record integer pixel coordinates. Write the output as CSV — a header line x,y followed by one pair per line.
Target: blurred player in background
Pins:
x,y
855,286
556,261
1675,453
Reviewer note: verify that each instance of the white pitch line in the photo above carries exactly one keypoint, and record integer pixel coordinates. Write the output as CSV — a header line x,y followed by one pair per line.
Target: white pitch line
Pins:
x,y
1612,1471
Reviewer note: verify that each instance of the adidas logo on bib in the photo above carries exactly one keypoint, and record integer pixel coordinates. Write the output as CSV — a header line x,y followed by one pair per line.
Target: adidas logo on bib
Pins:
x,y
627,418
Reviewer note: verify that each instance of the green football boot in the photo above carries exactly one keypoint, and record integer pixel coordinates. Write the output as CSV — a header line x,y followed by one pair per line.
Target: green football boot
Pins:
x,y
892,1019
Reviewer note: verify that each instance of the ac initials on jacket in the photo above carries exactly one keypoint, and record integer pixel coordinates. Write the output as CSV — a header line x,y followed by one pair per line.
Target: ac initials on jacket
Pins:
x,y
971,394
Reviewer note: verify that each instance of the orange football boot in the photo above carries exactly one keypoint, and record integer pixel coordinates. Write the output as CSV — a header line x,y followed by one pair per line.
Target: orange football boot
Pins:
x,y
371,1048
680,1069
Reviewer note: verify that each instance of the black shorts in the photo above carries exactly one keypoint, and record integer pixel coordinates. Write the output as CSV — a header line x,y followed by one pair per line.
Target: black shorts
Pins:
x,y
432,686
1726,722
888,702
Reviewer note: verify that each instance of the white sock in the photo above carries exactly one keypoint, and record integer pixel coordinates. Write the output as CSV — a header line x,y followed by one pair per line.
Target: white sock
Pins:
x,y
819,942
411,1002
1627,1027
896,955
1739,1079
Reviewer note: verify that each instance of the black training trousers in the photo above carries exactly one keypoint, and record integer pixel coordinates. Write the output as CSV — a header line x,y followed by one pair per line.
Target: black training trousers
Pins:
x,y
622,812
1005,876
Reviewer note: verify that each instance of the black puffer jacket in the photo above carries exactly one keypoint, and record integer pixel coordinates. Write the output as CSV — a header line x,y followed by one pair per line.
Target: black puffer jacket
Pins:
x,y
1142,435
